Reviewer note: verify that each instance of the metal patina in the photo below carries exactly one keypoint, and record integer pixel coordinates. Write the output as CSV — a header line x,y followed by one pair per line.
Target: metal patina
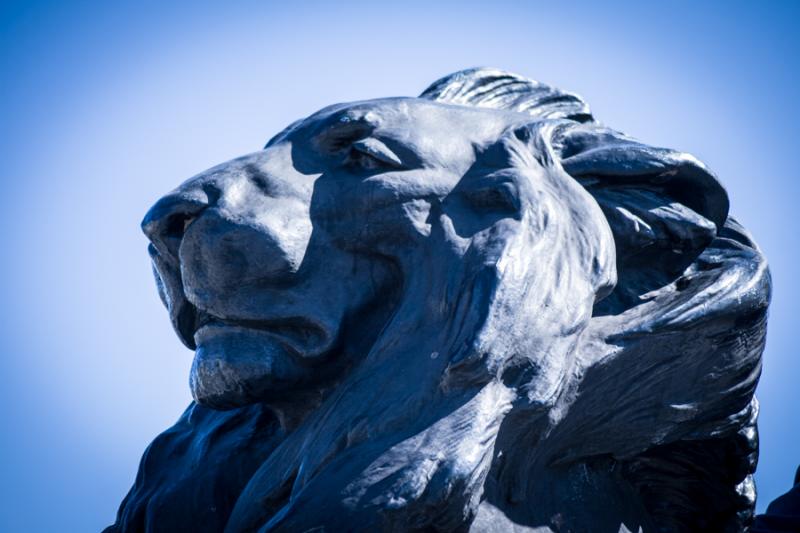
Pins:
x,y
478,309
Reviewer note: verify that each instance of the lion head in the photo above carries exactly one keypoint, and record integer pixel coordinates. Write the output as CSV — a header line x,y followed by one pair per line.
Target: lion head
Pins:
x,y
475,307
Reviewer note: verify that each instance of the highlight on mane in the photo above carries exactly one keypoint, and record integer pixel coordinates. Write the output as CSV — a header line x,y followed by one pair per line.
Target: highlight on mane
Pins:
x,y
492,88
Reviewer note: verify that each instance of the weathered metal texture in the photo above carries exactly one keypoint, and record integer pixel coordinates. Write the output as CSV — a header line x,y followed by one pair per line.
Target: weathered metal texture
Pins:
x,y
478,309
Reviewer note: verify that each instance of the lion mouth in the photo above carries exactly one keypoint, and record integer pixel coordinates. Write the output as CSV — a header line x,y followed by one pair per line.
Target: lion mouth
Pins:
x,y
299,335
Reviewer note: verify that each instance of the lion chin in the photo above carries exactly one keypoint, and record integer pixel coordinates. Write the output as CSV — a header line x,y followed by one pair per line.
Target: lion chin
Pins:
x,y
478,309
235,366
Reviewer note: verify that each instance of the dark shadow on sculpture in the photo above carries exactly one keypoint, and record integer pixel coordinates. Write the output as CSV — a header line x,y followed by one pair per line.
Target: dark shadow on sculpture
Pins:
x,y
478,309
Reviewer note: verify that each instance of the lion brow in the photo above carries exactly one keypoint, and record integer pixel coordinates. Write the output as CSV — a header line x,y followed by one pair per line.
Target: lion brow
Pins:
x,y
345,129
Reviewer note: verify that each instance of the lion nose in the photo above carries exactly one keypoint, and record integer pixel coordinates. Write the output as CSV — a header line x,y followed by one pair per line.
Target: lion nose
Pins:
x,y
166,222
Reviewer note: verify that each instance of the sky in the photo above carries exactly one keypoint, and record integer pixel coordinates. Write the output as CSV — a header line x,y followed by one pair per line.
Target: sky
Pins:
x,y
106,106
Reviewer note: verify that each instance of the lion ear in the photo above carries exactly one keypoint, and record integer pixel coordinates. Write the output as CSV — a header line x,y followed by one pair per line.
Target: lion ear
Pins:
x,y
664,207
496,89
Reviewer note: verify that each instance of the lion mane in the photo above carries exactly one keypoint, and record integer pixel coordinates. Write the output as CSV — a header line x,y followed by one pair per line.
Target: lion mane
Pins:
x,y
646,400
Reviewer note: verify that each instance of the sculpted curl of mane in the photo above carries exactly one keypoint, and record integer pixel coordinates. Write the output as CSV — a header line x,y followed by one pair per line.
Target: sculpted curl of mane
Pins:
x,y
594,368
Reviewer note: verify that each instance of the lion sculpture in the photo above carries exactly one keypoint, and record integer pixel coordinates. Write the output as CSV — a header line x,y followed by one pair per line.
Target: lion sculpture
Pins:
x,y
475,310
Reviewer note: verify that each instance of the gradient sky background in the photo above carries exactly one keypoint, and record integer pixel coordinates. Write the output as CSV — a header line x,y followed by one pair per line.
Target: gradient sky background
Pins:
x,y
106,106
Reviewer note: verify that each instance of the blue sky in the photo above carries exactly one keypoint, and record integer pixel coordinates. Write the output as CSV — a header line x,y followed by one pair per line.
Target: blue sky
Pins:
x,y
106,106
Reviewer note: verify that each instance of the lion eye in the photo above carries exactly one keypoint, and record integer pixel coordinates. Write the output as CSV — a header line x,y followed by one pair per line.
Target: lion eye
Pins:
x,y
497,197
371,154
